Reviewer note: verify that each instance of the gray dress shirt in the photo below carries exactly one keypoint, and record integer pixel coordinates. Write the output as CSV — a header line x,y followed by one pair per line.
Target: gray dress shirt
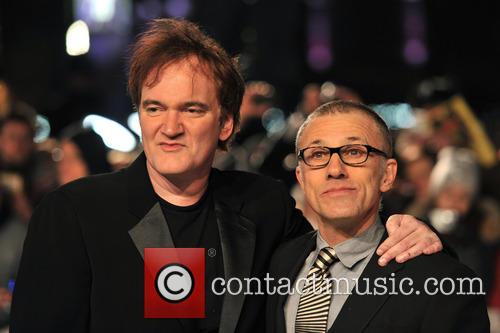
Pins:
x,y
354,254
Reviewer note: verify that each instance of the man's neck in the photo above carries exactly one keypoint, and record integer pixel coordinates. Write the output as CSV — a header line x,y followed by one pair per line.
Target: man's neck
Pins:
x,y
179,191
335,232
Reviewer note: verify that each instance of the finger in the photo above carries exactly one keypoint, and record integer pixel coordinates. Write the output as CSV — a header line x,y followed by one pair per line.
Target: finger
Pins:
x,y
399,248
436,246
393,223
396,236
413,252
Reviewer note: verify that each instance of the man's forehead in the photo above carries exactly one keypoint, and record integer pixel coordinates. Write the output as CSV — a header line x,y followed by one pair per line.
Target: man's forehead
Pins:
x,y
348,127
192,63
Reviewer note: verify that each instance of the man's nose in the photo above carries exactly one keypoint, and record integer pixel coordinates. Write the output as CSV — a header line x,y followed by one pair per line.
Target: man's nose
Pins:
x,y
172,123
336,168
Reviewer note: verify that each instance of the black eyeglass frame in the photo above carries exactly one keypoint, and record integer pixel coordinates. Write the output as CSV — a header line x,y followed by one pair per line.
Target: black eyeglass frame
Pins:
x,y
336,150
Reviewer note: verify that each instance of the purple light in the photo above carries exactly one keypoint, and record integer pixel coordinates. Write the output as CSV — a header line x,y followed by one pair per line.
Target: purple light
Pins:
x,y
319,52
415,52
148,9
177,8
414,33
319,57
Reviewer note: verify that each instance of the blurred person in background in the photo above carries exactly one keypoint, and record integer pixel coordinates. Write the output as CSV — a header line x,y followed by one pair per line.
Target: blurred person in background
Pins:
x,y
81,155
17,164
16,142
9,104
410,193
252,138
459,212
448,120
17,161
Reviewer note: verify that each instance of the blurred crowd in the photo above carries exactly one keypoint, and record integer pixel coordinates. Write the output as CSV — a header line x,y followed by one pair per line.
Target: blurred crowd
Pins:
x,y
448,168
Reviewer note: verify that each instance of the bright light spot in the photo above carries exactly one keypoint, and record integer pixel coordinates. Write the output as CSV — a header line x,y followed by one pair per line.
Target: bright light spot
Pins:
x,y
42,129
133,123
396,115
102,10
328,90
114,135
273,121
77,39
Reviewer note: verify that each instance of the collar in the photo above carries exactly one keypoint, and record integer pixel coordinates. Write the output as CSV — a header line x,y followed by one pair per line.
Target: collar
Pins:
x,y
355,249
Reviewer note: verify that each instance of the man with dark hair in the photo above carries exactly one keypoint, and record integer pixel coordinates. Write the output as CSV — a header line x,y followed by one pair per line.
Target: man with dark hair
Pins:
x,y
82,268
16,141
345,164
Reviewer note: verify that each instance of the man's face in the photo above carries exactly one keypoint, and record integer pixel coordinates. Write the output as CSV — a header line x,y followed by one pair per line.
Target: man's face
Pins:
x,y
339,193
72,165
456,197
180,119
16,143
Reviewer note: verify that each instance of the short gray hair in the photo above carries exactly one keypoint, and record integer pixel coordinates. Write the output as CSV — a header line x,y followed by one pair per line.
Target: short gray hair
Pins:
x,y
342,106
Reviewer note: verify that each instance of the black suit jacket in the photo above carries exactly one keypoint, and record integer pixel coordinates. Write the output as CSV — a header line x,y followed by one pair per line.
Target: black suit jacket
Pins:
x,y
386,312
82,268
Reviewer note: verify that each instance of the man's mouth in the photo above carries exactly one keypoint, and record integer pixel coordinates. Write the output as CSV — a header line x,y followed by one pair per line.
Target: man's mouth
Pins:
x,y
170,146
339,191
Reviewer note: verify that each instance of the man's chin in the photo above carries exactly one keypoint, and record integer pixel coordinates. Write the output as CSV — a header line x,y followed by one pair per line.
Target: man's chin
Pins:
x,y
167,168
342,220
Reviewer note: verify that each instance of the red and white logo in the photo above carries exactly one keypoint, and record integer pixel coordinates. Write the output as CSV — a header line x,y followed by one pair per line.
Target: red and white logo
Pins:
x,y
174,283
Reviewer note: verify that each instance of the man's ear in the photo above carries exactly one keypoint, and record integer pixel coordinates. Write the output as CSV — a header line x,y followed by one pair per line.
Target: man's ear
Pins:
x,y
391,169
227,126
298,175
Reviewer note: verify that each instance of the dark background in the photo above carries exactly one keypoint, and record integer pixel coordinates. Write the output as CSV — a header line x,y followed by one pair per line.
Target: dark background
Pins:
x,y
365,40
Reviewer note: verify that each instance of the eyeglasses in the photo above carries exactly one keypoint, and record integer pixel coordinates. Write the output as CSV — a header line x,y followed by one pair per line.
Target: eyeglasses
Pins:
x,y
352,155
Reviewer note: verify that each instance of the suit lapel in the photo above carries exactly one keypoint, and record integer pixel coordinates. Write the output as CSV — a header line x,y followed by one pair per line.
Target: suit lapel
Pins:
x,y
151,231
291,268
237,235
359,309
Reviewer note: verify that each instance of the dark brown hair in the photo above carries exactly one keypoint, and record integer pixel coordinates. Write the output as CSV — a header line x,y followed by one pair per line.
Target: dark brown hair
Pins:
x,y
167,41
342,106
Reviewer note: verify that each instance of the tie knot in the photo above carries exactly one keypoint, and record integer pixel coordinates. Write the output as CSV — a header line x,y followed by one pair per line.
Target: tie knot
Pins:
x,y
326,257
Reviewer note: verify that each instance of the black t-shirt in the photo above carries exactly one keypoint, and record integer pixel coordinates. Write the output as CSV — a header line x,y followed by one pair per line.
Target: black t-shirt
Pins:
x,y
195,226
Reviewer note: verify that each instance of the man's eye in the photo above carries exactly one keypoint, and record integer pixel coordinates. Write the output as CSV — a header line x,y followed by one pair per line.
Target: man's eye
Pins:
x,y
354,152
318,154
152,109
194,111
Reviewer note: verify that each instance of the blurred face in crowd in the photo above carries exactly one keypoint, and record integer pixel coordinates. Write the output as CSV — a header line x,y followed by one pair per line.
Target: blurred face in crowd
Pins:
x,y
16,143
311,98
345,196
456,197
72,165
181,119
418,173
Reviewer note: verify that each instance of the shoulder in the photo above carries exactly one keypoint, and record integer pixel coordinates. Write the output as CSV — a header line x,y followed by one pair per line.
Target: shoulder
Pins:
x,y
291,245
105,181
438,264
95,188
247,179
246,184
